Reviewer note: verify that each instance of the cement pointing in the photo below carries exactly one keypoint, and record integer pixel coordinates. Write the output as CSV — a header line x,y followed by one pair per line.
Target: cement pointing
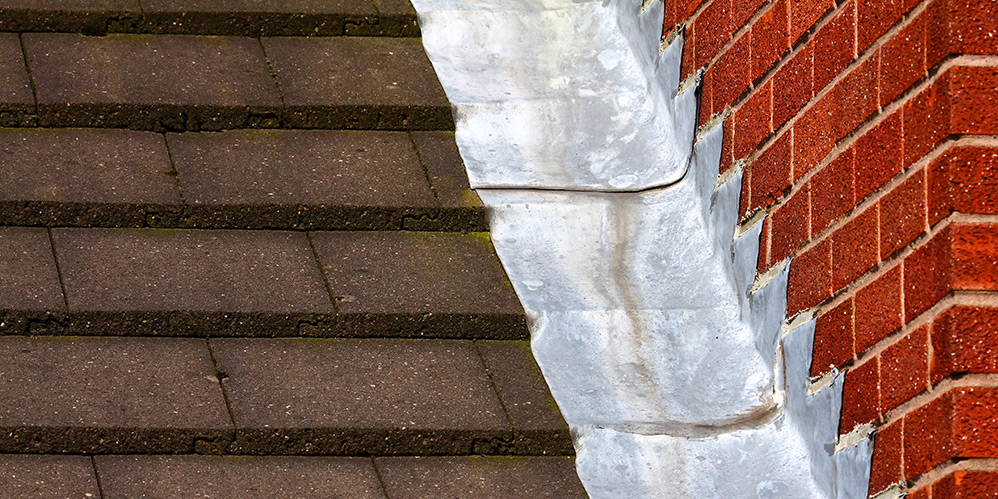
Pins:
x,y
677,379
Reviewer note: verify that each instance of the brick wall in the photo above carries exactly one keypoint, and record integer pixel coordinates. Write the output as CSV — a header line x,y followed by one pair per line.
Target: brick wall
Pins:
x,y
868,135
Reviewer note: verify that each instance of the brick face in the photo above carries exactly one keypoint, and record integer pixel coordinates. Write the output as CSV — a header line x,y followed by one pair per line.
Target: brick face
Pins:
x,y
861,395
854,248
878,309
854,186
833,191
902,214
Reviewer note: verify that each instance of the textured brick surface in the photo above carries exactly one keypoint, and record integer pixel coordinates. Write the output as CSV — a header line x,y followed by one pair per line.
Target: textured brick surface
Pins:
x,y
963,341
927,274
902,215
29,281
256,17
752,121
99,395
794,80
833,338
151,82
86,177
855,247
358,83
159,281
459,205
833,191
886,466
310,179
810,279
420,284
904,368
237,477
928,436
966,485
804,14
834,47
360,396
770,39
713,29
30,477
771,172
902,60
877,158
860,395
414,477
16,99
878,309
964,179
537,422
790,226
731,78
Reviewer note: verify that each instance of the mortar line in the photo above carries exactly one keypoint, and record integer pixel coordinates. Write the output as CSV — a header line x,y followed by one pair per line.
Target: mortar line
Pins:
x,y
377,473
951,466
272,71
175,172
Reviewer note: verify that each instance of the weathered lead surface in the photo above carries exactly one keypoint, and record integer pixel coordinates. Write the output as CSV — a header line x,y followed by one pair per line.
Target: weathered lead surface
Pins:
x,y
189,282
98,395
419,283
310,179
358,82
31,477
359,396
151,82
237,477
427,477
85,177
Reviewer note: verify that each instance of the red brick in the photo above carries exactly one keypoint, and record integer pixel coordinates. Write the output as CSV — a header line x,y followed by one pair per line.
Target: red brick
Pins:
x,y
961,27
975,257
922,493
860,395
732,77
886,468
904,369
790,226
727,155
878,309
834,46
793,84
706,97
875,18
964,341
854,248
902,214
854,97
974,26
805,13
752,121
878,156
833,338
963,179
743,10
713,27
927,275
770,39
928,436
771,172
975,425
966,485
902,60
689,64
926,120
810,280
974,99
813,136
832,191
